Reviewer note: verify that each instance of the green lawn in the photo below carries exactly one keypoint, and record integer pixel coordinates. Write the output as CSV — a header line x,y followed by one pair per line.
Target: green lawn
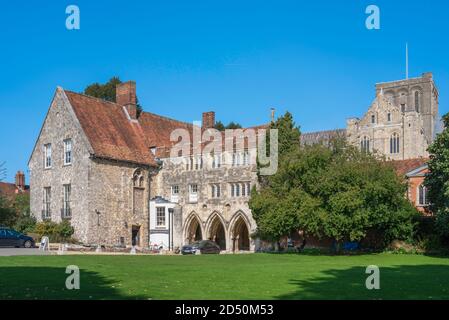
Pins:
x,y
251,276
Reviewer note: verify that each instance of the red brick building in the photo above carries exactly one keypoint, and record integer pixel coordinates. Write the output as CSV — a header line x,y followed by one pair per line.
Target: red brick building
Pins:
x,y
10,190
414,171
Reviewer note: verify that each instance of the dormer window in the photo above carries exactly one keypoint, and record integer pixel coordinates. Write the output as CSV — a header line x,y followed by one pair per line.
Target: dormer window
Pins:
x,y
153,150
389,117
373,119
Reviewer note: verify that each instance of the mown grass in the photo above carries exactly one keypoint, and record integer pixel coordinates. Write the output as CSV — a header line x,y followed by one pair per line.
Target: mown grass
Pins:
x,y
250,276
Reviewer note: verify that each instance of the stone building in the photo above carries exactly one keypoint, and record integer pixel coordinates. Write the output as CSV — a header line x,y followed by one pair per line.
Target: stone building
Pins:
x,y
11,190
400,124
402,120
109,171
414,172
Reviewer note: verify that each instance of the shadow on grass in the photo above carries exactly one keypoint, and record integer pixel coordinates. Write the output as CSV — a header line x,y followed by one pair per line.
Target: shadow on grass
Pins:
x,y
30,283
324,252
398,282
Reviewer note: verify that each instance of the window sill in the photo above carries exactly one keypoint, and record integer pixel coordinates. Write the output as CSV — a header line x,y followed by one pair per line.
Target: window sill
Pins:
x,y
67,165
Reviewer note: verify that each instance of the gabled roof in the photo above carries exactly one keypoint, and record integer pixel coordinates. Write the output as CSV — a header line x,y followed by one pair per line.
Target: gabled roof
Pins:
x,y
418,172
403,167
109,130
113,135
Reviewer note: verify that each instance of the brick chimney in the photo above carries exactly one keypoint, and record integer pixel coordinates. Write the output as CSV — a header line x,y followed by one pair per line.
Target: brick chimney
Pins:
x,y
208,120
125,95
20,180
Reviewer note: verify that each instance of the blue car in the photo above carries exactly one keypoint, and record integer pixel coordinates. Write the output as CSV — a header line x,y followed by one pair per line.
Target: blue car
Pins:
x,y
12,238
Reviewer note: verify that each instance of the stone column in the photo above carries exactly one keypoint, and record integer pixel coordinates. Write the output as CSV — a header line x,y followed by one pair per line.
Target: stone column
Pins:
x,y
177,227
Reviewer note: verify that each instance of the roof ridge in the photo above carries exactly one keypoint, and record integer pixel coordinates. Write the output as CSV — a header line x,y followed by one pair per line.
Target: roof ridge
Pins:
x,y
167,118
92,97
321,131
117,105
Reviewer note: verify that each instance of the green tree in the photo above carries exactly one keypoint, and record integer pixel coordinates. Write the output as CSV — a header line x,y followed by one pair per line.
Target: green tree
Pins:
x,y
24,221
107,91
288,134
7,213
437,181
335,192
232,125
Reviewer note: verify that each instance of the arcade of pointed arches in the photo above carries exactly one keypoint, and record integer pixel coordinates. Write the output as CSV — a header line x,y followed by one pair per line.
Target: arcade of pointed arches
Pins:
x,y
232,235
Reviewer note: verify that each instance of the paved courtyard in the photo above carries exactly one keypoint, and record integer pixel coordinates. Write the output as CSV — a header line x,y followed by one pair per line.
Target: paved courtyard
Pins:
x,y
5,252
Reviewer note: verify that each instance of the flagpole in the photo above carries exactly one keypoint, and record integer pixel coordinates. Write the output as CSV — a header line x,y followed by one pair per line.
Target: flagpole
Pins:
x,y
406,60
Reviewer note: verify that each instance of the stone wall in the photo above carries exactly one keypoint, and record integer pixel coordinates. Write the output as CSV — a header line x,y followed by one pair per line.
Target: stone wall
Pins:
x,y
61,124
111,194
403,92
387,117
207,209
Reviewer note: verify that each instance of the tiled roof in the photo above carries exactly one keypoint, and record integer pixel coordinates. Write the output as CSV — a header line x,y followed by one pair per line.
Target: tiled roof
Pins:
x,y
9,190
404,166
157,130
111,134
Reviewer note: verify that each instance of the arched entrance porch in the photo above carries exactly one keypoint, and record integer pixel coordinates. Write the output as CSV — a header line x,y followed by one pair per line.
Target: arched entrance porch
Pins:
x,y
193,231
217,232
240,235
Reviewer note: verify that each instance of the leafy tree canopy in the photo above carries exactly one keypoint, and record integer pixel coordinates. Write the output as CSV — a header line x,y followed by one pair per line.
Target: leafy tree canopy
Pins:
x,y
106,91
437,180
288,134
232,125
335,192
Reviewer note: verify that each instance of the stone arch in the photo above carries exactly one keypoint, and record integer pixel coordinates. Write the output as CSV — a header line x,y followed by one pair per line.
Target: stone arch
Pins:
x,y
416,98
395,143
240,232
138,178
216,229
390,94
193,228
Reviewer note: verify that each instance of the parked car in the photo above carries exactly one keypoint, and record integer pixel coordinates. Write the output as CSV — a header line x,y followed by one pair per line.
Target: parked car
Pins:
x,y
203,247
12,238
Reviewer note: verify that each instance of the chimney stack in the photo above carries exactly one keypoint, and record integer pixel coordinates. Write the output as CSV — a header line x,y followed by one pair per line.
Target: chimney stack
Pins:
x,y
125,95
20,180
208,120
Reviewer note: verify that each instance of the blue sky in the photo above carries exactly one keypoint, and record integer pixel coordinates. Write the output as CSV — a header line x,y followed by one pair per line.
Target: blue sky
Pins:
x,y
315,59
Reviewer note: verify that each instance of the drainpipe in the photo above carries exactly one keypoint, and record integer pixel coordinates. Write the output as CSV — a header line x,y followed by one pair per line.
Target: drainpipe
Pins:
x,y
148,206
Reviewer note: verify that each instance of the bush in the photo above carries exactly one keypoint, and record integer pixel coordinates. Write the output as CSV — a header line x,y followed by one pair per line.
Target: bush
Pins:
x,y
56,232
65,230
25,223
